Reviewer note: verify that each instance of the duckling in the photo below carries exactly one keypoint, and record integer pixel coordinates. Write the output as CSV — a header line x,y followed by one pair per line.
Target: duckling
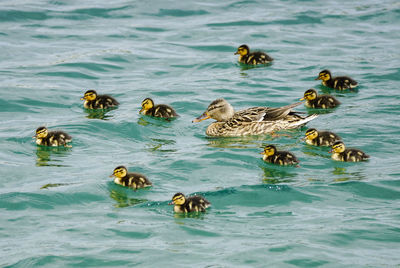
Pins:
x,y
184,204
160,110
94,101
320,138
319,102
339,82
252,58
340,153
251,121
271,155
51,138
132,180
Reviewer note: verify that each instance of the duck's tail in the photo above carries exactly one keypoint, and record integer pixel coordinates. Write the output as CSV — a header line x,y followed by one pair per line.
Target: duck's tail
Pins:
x,y
304,120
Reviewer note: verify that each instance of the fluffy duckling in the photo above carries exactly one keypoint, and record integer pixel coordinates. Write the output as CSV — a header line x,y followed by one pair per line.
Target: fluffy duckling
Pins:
x,y
271,155
160,110
339,82
51,138
132,180
320,138
183,204
251,121
94,101
319,102
252,58
340,153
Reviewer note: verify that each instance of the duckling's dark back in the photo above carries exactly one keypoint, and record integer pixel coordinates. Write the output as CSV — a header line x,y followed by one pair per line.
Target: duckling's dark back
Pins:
x,y
102,102
163,110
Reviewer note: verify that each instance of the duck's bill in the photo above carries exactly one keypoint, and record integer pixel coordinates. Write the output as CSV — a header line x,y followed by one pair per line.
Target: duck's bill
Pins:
x,y
171,203
302,99
202,117
318,78
330,151
236,53
141,110
83,98
112,175
262,152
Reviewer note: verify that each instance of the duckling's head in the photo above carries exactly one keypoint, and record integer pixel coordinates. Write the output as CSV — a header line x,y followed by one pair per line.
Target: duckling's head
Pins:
x,y
219,110
269,150
338,147
311,134
310,94
324,75
147,104
243,50
119,172
178,199
41,132
90,95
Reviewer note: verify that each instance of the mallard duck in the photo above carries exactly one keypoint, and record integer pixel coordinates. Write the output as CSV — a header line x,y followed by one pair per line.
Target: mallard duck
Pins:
x,y
51,138
251,121
319,102
272,155
339,82
132,180
340,153
183,204
320,138
252,58
160,110
94,101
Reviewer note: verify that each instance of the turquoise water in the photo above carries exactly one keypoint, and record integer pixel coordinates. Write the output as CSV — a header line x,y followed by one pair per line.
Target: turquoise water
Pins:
x,y
58,206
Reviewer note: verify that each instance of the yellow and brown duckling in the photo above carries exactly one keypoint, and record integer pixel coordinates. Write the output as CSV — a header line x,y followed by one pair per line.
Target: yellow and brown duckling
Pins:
x,y
130,179
159,110
272,155
51,138
252,58
339,82
340,153
251,121
319,102
183,204
320,138
94,101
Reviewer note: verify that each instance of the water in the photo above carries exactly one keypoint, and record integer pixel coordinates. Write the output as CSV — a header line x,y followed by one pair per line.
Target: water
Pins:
x,y
60,209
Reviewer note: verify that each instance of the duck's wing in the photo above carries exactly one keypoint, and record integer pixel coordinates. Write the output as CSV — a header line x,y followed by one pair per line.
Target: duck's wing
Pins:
x,y
259,114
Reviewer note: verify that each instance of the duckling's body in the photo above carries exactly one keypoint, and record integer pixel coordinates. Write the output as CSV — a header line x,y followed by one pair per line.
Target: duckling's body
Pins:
x,y
252,121
183,204
252,58
94,101
319,102
338,82
131,179
160,110
51,138
340,153
271,155
320,138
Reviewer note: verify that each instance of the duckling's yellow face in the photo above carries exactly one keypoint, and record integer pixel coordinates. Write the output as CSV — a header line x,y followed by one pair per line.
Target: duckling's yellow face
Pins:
x,y
324,76
269,150
90,95
120,172
42,133
178,199
311,134
147,104
338,147
310,94
242,51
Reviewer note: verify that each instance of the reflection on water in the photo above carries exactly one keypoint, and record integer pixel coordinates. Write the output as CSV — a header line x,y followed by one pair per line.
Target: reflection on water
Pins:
x,y
145,120
46,154
238,142
274,174
192,215
245,67
328,90
99,113
51,185
156,145
122,199
320,151
342,175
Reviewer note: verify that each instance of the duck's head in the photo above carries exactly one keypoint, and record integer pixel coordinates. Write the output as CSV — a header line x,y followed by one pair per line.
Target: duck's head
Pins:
x,y
243,50
311,134
41,132
178,199
324,75
219,110
89,95
119,172
269,150
310,94
147,104
338,147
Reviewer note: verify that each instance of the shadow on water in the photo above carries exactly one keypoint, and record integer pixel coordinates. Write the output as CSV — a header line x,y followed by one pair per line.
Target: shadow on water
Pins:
x,y
155,121
274,174
46,154
123,200
240,142
341,174
191,215
99,113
